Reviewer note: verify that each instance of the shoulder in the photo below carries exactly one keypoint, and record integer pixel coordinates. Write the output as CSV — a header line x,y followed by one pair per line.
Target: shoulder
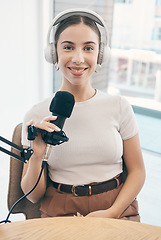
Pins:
x,y
113,100
116,105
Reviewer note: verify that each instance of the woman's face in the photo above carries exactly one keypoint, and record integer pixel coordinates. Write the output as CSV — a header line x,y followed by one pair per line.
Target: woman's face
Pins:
x,y
77,50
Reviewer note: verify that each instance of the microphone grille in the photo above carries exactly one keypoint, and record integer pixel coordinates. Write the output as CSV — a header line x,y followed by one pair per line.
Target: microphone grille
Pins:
x,y
62,104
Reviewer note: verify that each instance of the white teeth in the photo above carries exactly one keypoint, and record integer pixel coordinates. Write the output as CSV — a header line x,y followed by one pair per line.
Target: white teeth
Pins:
x,y
79,70
75,70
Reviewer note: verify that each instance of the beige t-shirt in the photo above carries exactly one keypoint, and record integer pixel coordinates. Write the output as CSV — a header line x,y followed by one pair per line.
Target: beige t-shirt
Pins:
x,y
96,130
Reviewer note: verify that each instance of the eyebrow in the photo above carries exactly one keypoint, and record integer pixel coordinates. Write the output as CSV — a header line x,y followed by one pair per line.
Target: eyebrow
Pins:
x,y
69,42
90,42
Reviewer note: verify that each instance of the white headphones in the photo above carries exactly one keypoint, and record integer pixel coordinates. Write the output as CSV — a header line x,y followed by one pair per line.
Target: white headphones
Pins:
x,y
104,52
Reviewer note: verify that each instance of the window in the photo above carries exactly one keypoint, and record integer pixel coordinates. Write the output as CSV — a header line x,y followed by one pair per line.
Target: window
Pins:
x,y
136,51
158,12
158,2
156,33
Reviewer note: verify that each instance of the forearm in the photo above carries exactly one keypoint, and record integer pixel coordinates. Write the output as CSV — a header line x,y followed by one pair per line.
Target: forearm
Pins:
x,y
30,178
129,191
32,169
136,175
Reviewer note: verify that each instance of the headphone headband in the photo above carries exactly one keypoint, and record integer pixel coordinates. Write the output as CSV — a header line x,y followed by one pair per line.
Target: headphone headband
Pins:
x,y
71,12
78,11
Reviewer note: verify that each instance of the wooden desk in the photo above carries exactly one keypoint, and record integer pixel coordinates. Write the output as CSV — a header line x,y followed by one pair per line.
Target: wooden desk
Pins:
x,y
74,228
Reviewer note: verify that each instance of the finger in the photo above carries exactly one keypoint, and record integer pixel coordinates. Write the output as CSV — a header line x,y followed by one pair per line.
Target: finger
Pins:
x,y
53,127
79,215
50,118
47,126
28,124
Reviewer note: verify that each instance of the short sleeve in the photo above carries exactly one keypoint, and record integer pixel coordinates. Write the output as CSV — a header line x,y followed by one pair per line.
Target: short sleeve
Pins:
x,y
128,125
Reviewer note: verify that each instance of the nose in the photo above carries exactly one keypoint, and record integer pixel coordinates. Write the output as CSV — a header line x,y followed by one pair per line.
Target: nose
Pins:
x,y
78,56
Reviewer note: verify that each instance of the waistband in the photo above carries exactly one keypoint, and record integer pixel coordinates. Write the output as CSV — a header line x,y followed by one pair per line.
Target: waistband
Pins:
x,y
89,189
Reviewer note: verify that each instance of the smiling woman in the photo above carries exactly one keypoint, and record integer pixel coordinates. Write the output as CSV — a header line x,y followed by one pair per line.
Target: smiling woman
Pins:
x,y
85,175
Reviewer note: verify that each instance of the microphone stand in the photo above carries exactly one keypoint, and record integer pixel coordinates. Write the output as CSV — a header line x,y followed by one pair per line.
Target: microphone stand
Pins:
x,y
25,156
25,152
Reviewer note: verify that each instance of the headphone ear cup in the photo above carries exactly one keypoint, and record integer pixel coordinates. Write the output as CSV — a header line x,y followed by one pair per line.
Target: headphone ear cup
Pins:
x,y
100,55
104,53
50,53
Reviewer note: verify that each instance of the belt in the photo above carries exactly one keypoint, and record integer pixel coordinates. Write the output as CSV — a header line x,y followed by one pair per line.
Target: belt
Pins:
x,y
89,189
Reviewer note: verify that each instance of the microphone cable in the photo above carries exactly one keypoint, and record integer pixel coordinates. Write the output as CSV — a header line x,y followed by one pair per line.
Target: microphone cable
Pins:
x,y
44,161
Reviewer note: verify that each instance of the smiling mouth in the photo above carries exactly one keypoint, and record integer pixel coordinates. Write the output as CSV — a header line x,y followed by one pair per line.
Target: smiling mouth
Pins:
x,y
77,70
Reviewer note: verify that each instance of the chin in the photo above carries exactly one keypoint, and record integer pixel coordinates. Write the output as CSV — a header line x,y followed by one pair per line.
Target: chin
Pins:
x,y
76,81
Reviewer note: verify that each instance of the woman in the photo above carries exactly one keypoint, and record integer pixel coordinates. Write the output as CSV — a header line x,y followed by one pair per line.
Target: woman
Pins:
x,y
85,174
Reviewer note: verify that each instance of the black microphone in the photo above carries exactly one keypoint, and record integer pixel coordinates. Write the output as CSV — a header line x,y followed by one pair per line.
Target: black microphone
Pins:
x,y
61,106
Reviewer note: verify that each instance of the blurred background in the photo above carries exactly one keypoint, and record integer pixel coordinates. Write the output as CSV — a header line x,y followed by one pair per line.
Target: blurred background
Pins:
x,y
134,71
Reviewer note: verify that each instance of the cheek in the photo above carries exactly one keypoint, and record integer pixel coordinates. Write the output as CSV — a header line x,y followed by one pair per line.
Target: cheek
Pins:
x,y
62,59
93,61
60,55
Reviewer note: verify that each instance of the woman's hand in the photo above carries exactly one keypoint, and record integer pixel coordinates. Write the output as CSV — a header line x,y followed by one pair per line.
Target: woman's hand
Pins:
x,y
108,213
38,144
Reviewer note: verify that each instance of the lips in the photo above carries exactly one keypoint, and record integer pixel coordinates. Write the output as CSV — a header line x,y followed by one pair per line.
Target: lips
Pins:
x,y
78,71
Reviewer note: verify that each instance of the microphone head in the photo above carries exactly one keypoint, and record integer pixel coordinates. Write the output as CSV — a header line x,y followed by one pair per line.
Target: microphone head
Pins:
x,y
62,104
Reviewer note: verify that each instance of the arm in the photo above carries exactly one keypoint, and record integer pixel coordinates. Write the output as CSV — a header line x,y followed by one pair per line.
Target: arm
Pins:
x,y
136,175
32,169
134,182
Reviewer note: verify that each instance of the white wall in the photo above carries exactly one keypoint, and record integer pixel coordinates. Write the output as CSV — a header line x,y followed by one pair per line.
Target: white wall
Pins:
x,y
25,76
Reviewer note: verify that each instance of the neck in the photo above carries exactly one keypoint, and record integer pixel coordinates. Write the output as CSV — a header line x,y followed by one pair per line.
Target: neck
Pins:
x,y
80,94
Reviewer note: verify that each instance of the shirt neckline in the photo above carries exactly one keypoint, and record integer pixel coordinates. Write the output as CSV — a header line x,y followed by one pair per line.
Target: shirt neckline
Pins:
x,y
88,100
